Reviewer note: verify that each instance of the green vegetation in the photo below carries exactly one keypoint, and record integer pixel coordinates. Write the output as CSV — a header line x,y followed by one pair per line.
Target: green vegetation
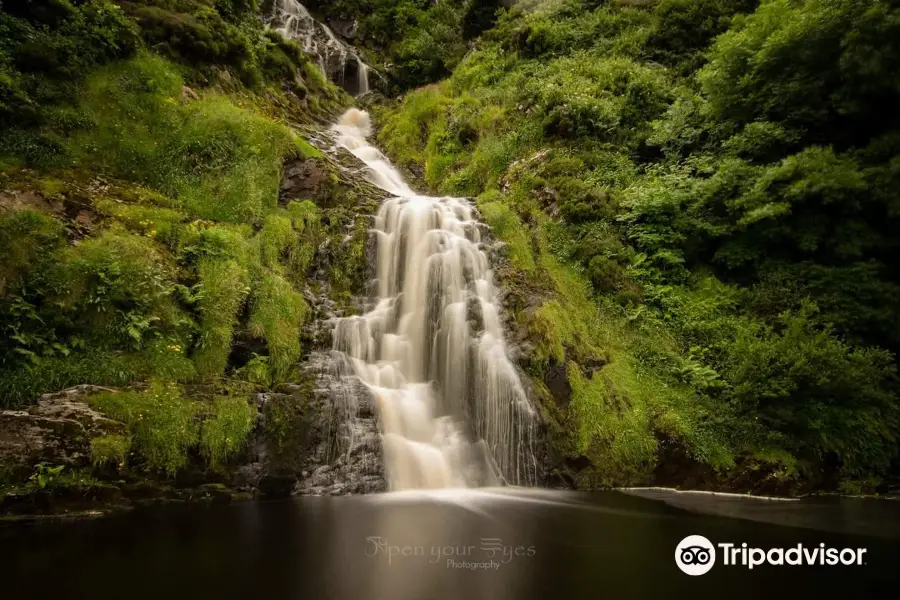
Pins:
x,y
110,450
225,429
697,199
164,426
141,229
162,423
419,40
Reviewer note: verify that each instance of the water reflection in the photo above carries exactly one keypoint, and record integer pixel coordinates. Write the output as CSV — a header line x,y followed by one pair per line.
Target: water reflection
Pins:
x,y
582,546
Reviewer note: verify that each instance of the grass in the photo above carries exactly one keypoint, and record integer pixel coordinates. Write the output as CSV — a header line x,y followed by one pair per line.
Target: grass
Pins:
x,y
276,313
119,285
161,421
509,228
165,427
275,239
110,450
26,383
223,287
227,424
541,135
218,161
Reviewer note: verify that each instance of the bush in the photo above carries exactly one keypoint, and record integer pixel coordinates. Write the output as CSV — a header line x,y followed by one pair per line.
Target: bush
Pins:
x,y
224,432
45,48
223,287
276,313
161,422
110,449
119,287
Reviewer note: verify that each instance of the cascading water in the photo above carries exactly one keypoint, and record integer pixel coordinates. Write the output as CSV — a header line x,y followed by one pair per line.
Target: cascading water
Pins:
x,y
292,20
451,406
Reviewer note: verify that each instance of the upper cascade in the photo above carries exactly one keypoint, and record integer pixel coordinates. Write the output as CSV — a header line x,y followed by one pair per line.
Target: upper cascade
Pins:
x,y
338,60
452,409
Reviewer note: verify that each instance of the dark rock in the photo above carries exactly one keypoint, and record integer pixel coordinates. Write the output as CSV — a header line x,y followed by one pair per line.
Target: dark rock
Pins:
x,y
345,451
304,179
556,379
57,430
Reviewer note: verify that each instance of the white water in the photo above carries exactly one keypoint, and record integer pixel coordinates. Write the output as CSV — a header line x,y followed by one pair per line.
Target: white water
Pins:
x,y
292,20
452,410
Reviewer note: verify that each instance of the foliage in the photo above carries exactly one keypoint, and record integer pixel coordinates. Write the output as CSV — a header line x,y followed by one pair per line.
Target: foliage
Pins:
x,y
221,292
276,312
110,450
118,286
422,41
44,475
218,161
225,429
696,199
46,47
164,427
161,422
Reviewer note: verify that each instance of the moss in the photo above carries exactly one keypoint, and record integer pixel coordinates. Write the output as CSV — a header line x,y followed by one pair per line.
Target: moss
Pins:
x,y
509,228
218,160
224,432
276,313
306,150
404,134
120,287
110,450
155,222
161,422
276,238
287,425
222,290
26,240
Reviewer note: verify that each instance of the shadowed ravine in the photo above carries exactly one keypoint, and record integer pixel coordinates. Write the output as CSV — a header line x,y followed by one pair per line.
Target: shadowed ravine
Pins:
x,y
451,406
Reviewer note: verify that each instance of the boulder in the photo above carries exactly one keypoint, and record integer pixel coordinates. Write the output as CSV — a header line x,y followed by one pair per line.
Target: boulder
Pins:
x,y
58,430
304,179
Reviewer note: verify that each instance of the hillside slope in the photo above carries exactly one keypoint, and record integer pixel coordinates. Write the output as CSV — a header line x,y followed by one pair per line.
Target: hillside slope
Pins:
x,y
698,200
165,224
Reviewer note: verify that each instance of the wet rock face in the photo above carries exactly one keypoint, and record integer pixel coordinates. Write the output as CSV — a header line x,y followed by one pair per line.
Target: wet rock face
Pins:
x,y
315,437
58,430
304,179
345,452
557,381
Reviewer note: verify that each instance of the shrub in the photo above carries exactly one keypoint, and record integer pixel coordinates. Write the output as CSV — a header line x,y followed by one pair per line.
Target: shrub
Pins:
x,y
217,160
276,313
227,423
223,287
509,228
110,449
161,421
119,287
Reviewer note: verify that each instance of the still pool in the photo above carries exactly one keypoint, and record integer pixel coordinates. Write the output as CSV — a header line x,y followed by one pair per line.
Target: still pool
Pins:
x,y
465,545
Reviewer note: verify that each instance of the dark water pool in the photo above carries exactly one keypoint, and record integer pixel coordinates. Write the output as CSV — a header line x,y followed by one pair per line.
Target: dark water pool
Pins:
x,y
527,546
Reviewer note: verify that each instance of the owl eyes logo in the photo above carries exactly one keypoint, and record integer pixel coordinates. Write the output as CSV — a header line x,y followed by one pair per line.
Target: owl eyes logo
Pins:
x,y
695,555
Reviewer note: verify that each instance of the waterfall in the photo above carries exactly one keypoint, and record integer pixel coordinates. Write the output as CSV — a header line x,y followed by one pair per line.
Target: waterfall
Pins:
x,y
293,21
451,406
362,75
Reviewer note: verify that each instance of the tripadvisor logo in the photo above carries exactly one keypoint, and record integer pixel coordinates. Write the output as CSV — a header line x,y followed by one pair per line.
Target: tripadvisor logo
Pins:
x,y
696,555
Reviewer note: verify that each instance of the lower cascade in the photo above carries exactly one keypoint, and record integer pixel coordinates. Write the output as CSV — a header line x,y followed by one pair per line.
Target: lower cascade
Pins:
x,y
451,407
